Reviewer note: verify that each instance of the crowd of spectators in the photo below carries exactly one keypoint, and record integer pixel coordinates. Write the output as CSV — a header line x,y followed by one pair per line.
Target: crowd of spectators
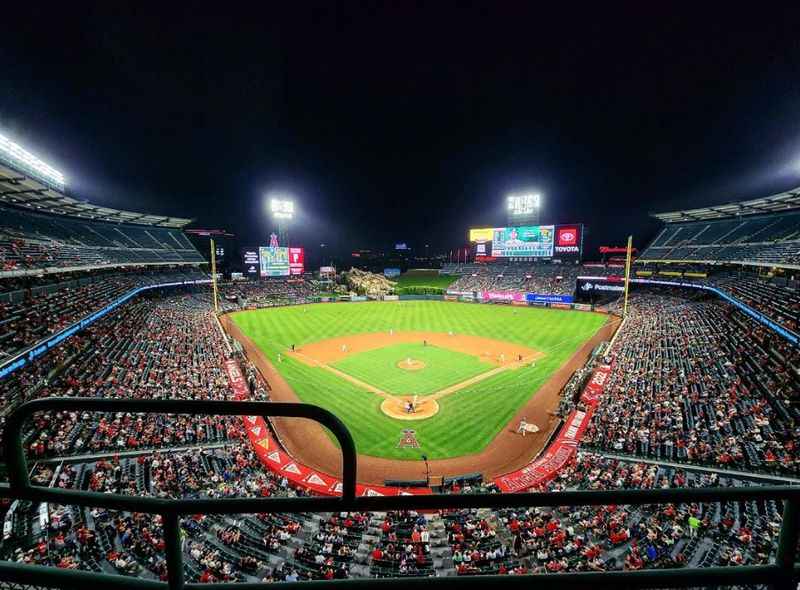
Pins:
x,y
36,241
267,293
36,312
404,547
522,277
756,238
159,347
694,379
613,537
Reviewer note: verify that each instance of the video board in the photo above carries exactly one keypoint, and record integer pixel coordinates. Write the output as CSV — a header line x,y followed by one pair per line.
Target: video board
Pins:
x,y
534,241
530,241
296,261
250,261
274,261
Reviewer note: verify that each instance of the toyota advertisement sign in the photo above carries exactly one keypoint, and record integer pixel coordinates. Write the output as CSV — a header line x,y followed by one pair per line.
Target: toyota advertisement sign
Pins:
x,y
568,241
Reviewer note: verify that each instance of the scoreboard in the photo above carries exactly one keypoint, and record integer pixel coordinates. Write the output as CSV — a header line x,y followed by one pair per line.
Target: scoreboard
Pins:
x,y
273,261
529,241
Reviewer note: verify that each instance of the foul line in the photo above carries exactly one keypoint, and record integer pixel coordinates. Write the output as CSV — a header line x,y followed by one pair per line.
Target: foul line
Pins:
x,y
433,396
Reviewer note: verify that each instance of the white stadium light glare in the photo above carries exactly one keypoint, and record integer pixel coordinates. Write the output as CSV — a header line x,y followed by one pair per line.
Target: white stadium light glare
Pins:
x,y
21,158
524,204
281,208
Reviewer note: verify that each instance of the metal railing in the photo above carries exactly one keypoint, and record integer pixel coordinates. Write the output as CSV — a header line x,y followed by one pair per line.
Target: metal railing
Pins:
x,y
782,574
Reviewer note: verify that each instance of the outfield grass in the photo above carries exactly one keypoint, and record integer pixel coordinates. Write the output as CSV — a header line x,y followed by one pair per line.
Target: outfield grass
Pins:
x,y
468,419
442,368
424,278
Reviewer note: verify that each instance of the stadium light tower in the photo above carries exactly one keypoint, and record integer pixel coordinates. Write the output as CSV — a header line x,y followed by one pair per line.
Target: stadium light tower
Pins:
x,y
282,210
523,209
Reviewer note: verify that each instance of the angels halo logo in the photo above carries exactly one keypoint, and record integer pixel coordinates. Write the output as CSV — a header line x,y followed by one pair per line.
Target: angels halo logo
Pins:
x,y
408,440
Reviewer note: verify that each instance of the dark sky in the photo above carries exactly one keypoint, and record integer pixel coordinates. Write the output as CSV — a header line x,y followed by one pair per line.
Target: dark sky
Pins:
x,y
407,121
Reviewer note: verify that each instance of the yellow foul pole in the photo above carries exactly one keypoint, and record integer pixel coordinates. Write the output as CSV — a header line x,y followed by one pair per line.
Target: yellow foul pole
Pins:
x,y
627,274
214,274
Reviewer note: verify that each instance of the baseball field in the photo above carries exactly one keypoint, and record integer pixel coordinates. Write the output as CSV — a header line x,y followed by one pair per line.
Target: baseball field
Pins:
x,y
455,373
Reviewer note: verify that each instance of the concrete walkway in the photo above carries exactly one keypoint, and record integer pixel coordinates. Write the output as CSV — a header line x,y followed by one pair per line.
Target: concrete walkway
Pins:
x,y
780,479
138,452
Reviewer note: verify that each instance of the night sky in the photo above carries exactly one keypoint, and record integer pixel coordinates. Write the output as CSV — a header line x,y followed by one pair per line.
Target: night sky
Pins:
x,y
406,121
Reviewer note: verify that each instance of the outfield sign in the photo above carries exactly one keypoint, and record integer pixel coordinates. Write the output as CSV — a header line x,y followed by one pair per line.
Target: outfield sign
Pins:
x,y
543,298
501,296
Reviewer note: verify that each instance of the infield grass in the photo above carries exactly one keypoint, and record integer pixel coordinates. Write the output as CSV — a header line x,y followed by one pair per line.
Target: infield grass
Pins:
x,y
442,368
468,419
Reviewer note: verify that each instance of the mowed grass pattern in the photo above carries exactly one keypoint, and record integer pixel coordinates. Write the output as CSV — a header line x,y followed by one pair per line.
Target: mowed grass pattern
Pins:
x,y
442,368
468,419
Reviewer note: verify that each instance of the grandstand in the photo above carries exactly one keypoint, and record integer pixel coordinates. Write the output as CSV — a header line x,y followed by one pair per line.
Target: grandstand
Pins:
x,y
759,232
696,390
42,229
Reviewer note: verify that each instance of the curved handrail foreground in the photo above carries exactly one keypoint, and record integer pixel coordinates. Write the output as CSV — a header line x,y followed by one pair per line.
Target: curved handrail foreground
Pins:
x,y
782,574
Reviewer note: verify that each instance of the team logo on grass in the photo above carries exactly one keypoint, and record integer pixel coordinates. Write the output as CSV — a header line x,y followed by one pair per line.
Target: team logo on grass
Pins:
x,y
408,440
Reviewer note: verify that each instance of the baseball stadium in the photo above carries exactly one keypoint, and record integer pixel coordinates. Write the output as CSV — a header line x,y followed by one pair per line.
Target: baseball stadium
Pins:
x,y
316,383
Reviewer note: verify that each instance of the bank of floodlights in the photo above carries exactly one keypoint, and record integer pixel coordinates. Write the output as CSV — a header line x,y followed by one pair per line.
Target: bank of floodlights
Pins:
x,y
524,204
281,208
21,159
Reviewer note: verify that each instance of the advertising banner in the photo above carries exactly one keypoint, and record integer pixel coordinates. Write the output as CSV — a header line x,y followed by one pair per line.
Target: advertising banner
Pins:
x,y
296,261
501,296
569,241
250,260
561,306
542,298
590,286
596,386
391,297
391,272
481,235
582,307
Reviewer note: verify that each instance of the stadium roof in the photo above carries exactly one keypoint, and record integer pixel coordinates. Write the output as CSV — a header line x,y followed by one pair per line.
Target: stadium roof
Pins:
x,y
772,204
22,190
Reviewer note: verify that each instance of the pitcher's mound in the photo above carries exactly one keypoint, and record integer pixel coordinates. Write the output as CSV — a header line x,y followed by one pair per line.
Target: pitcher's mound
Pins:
x,y
410,365
397,407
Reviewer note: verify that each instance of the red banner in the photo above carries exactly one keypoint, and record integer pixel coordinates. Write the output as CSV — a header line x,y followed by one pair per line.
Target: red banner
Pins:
x,y
597,384
562,450
272,455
